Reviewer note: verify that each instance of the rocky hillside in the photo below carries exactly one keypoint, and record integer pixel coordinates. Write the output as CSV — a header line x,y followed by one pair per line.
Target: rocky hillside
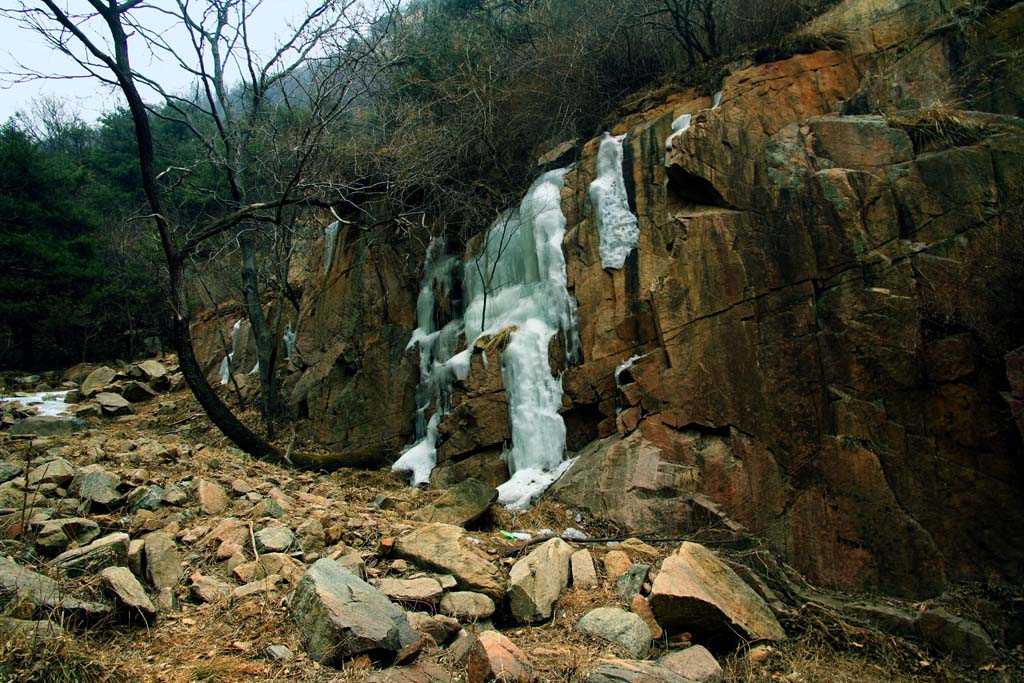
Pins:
x,y
796,317
136,548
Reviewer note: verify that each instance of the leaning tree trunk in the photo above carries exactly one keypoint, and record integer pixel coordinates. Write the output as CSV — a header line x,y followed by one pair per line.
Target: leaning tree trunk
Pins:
x,y
220,415
266,341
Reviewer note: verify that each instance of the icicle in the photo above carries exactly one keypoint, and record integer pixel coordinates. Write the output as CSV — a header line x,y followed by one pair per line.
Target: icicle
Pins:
x,y
225,365
616,225
437,349
682,123
289,342
679,126
330,239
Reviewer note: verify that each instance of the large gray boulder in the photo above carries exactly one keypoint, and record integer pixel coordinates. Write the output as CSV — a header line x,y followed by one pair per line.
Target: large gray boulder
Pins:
x,y
341,616
537,580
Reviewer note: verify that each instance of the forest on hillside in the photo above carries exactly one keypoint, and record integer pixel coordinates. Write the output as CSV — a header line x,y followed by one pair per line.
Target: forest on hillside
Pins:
x,y
409,120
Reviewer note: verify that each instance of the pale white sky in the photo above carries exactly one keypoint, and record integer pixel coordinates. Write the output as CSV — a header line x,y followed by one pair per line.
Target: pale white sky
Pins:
x,y
89,97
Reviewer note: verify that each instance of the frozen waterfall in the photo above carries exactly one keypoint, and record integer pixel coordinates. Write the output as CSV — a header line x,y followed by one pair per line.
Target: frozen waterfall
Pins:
x,y
617,227
517,282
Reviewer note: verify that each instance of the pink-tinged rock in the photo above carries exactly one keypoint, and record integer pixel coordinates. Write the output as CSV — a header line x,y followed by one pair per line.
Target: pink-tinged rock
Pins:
x,y
209,589
213,500
696,592
583,573
694,663
492,656
616,563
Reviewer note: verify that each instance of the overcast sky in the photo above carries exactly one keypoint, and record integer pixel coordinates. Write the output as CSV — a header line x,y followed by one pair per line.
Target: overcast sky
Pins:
x,y
88,96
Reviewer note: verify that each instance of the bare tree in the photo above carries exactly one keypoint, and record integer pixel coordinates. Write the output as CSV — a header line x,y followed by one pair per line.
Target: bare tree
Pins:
x,y
327,47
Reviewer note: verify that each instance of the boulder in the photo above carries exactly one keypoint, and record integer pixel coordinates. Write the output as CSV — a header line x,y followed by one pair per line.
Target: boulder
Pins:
x,y
952,635
492,656
137,392
625,629
632,582
213,500
630,671
694,663
274,539
425,590
97,380
439,627
616,563
113,404
45,595
209,588
152,370
418,672
467,606
340,616
96,488
537,580
697,593
163,564
48,425
109,551
460,505
584,575
443,548
56,471
128,594
53,536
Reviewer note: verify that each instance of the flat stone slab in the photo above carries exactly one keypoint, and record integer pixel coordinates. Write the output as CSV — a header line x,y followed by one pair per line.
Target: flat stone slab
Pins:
x,y
443,548
48,425
425,590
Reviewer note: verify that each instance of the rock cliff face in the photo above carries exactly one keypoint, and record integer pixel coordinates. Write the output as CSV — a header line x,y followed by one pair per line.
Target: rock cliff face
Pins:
x,y
789,371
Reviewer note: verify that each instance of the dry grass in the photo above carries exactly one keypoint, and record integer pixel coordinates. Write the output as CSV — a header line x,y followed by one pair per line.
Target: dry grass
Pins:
x,y
939,128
